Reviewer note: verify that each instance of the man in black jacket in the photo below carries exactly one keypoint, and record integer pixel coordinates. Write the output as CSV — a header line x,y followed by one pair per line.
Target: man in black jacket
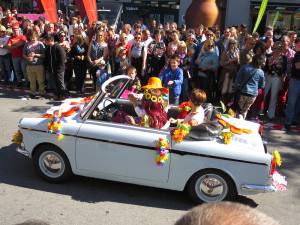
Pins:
x,y
55,58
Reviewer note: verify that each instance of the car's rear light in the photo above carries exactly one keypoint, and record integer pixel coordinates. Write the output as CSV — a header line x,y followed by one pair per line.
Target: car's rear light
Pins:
x,y
273,166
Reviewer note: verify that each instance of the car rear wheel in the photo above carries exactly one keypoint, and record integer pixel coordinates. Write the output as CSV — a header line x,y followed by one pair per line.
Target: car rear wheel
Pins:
x,y
211,186
52,164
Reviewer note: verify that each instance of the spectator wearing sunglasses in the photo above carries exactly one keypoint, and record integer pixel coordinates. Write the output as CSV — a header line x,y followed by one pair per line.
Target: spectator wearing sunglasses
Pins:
x,y
138,57
97,52
207,64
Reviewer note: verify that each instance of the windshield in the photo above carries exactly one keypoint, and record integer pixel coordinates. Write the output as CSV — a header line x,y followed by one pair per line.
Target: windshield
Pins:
x,y
88,105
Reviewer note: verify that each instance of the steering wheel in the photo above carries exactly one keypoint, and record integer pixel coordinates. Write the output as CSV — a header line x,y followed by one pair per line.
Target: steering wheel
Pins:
x,y
108,111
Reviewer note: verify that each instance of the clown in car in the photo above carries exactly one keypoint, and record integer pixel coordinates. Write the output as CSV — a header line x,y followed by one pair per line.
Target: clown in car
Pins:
x,y
151,108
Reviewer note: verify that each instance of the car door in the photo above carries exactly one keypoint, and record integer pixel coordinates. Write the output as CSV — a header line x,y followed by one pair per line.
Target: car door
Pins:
x,y
120,150
108,148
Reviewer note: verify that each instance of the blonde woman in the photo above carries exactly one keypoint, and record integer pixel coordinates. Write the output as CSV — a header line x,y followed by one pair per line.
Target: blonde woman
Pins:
x,y
207,63
97,52
233,33
229,61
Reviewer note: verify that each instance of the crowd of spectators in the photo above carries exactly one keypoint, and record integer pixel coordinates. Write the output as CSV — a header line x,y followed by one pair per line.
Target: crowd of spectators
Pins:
x,y
251,72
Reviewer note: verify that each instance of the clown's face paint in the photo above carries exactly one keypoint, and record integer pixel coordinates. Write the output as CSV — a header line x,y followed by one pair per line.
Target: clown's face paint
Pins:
x,y
156,92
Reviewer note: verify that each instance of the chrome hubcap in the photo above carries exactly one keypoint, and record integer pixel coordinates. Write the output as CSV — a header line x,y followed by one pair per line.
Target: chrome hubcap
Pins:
x,y
211,188
51,164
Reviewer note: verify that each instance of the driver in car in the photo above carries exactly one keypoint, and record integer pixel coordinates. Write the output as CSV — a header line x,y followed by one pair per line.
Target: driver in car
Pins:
x,y
151,108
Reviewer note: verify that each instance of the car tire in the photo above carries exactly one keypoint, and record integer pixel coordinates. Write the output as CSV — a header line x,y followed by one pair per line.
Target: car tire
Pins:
x,y
200,192
52,164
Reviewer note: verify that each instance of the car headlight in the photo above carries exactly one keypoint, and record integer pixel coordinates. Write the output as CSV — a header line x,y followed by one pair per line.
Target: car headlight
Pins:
x,y
20,121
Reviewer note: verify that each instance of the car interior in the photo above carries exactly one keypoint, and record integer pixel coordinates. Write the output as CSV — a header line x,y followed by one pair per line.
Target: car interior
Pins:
x,y
116,111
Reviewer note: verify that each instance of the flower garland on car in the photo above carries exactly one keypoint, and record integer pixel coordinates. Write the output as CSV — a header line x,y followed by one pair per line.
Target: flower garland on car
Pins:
x,y
182,129
54,125
184,108
17,138
180,132
162,151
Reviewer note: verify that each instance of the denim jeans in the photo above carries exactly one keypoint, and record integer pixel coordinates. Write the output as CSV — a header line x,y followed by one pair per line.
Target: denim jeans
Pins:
x,y
19,68
6,67
293,104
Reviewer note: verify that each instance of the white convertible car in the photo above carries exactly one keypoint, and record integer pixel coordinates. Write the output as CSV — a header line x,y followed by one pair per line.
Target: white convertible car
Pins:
x,y
96,146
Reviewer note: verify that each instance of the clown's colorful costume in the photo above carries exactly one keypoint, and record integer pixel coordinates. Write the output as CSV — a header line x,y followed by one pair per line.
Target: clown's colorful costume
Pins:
x,y
151,110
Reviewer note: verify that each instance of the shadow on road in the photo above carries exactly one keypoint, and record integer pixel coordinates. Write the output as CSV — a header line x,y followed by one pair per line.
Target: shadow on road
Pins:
x,y
12,93
16,170
36,109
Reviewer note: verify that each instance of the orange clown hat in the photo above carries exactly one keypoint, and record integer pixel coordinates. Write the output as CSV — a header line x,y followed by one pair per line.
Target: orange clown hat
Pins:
x,y
155,83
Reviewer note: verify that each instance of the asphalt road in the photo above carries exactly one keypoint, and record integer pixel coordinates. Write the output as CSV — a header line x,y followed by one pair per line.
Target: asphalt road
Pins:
x,y
23,195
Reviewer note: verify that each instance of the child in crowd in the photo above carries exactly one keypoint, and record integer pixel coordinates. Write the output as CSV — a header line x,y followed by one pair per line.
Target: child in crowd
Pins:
x,y
135,83
101,75
122,61
172,78
181,51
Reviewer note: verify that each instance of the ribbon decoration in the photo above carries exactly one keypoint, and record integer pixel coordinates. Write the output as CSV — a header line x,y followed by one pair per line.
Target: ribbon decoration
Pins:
x,y
261,13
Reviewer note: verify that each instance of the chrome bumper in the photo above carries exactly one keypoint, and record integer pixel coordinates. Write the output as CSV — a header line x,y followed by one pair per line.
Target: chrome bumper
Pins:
x,y
257,188
21,149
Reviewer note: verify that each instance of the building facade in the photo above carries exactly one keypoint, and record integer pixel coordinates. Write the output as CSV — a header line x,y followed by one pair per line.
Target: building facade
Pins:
x,y
279,13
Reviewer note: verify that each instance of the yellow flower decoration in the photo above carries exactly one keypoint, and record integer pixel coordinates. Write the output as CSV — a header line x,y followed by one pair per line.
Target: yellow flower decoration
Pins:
x,y
227,138
277,158
17,138
231,113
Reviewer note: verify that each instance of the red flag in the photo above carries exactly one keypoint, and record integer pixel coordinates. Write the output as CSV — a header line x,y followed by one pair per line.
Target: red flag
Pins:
x,y
50,10
91,10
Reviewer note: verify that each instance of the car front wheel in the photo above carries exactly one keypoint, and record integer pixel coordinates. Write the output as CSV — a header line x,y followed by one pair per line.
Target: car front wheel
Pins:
x,y
211,186
52,164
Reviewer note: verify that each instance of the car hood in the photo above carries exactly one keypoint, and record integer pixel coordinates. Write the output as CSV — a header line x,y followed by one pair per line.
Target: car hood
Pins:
x,y
69,111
